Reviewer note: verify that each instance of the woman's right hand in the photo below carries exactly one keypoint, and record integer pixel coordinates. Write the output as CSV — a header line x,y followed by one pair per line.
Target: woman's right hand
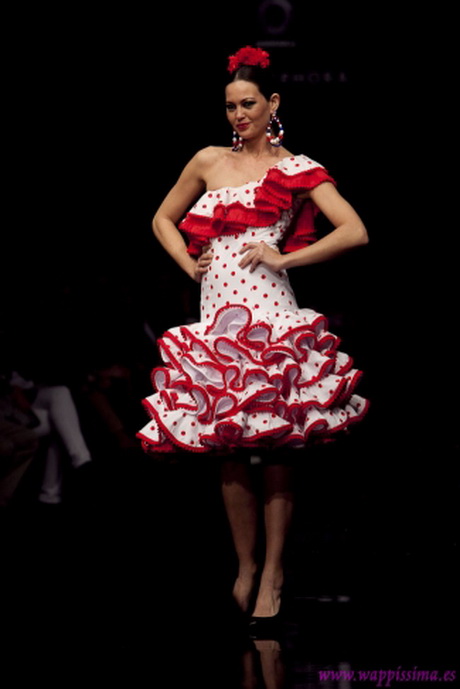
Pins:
x,y
203,263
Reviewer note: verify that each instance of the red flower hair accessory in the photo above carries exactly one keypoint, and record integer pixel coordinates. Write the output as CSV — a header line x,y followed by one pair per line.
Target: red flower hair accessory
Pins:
x,y
248,56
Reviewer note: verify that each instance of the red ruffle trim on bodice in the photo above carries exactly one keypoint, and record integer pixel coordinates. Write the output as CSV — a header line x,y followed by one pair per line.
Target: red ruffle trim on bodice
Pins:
x,y
274,196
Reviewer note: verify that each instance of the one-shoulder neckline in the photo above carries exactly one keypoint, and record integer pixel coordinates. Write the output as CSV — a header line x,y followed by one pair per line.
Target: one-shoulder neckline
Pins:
x,y
261,179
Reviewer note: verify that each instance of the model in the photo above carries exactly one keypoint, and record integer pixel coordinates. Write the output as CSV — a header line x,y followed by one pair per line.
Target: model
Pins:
x,y
257,375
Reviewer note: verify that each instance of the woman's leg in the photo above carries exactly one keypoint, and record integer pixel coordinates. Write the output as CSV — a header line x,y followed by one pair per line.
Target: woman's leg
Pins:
x,y
278,516
241,507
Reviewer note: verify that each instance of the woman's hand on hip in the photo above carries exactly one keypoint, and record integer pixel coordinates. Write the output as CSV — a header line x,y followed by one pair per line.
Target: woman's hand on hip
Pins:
x,y
259,252
203,263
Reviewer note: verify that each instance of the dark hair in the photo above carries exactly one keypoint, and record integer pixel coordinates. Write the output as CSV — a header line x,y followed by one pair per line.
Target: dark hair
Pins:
x,y
260,76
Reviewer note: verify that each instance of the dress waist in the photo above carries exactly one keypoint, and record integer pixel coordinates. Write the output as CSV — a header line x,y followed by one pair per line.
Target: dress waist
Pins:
x,y
226,283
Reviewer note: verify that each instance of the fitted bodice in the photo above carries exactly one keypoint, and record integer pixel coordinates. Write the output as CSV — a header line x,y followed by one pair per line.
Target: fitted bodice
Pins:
x,y
226,283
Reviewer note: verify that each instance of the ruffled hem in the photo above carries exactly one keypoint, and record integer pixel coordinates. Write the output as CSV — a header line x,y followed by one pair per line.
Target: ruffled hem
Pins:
x,y
273,196
239,383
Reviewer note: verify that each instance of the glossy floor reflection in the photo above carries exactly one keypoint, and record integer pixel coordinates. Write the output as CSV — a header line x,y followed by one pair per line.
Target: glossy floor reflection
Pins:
x,y
130,585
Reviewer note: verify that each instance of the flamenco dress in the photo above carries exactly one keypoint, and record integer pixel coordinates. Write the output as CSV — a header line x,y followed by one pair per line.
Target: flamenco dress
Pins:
x,y
256,371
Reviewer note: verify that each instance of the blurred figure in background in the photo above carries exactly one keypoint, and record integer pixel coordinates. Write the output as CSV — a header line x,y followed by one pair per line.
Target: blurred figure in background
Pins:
x,y
45,414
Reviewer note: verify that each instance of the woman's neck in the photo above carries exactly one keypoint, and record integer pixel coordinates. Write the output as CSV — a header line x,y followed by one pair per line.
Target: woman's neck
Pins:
x,y
259,149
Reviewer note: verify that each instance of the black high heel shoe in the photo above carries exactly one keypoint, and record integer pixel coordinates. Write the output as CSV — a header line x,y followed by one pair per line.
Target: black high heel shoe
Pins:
x,y
265,627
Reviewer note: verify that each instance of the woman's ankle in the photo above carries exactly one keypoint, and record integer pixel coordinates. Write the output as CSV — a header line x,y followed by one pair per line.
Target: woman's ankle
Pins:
x,y
272,578
247,570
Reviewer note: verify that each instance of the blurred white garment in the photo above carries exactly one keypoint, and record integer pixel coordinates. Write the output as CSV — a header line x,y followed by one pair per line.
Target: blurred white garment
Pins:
x,y
59,422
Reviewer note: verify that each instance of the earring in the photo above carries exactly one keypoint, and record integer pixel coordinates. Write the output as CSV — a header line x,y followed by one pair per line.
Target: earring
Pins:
x,y
275,140
237,142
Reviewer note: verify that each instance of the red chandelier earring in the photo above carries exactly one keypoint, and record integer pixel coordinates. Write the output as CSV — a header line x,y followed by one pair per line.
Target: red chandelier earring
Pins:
x,y
275,139
237,142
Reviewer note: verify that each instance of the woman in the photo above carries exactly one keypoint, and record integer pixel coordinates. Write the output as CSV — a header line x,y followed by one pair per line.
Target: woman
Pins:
x,y
257,374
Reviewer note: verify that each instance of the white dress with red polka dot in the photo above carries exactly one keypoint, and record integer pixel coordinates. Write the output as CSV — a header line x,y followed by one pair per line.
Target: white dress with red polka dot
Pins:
x,y
257,370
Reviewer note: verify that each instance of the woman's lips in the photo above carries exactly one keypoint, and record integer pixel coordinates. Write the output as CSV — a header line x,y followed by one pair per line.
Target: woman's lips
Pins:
x,y
243,125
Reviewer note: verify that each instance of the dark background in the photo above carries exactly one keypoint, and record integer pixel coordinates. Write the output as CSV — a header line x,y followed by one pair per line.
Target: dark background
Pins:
x,y
107,107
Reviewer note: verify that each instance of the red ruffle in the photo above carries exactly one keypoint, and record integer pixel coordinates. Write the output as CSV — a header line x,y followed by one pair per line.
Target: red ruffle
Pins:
x,y
272,197
220,391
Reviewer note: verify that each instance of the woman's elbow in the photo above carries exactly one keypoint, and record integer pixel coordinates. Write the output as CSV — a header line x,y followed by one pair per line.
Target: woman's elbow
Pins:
x,y
156,225
361,235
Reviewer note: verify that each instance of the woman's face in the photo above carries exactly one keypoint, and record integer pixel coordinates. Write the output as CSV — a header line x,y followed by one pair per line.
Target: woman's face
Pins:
x,y
248,111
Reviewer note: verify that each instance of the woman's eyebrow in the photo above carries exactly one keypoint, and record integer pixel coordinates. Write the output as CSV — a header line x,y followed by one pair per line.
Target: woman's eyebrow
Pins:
x,y
230,102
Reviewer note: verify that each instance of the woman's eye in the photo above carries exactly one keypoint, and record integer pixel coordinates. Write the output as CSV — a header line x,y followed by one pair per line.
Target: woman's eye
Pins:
x,y
230,107
249,103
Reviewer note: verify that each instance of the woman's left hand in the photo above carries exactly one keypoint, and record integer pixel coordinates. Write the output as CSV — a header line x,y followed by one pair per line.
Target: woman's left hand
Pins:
x,y
259,252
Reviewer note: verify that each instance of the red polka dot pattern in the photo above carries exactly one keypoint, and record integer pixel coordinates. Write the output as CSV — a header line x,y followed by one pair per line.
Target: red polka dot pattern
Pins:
x,y
255,355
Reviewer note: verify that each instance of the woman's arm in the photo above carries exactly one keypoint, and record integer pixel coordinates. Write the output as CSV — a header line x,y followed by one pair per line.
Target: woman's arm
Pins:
x,y
349,229
189,185
349,232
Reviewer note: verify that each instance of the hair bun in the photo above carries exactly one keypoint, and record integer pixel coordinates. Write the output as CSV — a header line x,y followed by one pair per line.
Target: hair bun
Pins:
x,y
248,56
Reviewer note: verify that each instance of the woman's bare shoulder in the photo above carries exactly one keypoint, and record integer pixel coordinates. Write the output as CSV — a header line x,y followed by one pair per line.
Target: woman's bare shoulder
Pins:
x,y
206,160
211,155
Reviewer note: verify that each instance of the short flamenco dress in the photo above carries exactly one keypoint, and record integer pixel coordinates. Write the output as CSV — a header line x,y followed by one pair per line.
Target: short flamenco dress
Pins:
x,y
256,371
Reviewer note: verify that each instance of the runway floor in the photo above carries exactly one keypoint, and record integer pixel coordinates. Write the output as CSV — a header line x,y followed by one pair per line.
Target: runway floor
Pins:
x,y
129,581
